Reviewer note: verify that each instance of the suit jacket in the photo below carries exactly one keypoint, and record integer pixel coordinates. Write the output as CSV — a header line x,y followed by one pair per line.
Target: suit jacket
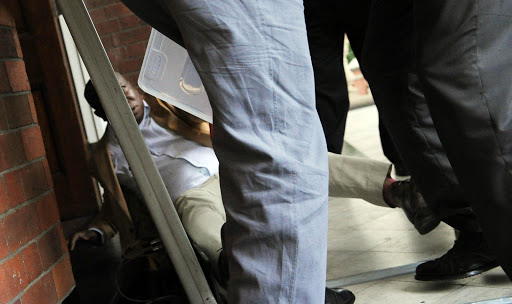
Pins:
x,y
114,215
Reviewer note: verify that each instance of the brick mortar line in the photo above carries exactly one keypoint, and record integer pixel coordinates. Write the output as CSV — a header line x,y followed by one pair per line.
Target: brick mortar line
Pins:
x,y
67,294
131,28
35,160
19,93
3,26
24,204
18,129
11,59
21,293
37,238
130,44
102,6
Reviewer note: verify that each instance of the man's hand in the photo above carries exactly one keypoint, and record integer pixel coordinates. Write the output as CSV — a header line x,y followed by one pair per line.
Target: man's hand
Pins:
x,y
86,235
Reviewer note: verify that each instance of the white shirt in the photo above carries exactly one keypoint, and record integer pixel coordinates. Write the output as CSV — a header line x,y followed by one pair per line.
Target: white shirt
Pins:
x,y
182,163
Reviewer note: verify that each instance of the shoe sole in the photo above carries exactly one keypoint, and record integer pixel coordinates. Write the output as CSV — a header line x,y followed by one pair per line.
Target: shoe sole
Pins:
x,y
459,276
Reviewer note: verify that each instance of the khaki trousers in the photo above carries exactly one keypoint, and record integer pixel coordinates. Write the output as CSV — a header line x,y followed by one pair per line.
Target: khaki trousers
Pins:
x,y
202,212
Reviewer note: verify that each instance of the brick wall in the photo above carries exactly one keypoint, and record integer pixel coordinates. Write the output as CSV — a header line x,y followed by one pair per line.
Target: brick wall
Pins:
x,y
34,262
123,35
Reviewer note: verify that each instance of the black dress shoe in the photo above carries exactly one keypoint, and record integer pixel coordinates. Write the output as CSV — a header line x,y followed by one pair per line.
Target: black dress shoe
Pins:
x,y
469,256
419,213
339,296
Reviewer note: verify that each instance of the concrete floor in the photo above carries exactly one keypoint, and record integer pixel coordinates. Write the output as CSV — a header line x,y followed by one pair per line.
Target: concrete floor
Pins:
x,y
369,246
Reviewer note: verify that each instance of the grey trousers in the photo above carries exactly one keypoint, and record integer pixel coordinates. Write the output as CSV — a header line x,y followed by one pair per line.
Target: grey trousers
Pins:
x,y
253,59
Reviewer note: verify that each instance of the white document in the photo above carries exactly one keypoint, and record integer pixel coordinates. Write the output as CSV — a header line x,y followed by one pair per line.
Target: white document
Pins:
x,y
168,74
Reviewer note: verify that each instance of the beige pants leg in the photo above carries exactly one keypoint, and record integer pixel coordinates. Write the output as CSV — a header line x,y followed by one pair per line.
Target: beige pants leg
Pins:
x,y
202,213
357,177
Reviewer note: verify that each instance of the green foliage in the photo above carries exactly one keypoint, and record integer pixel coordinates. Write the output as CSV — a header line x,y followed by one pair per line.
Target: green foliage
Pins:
x,y
350,54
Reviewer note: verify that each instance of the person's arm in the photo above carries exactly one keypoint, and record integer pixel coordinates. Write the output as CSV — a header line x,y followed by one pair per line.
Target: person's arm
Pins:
x,y
100,229
91,235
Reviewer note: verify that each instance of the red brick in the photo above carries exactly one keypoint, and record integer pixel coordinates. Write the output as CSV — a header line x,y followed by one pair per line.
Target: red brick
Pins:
x,y
4,250
42,292
18,110
7,41
5,15
4,124
50,247
107,27
97,15
34,179
63,277
129,21
7,291
21,227
117,10
91,4
133,78
33,267
14,187
17,15
17,75
132,65
63,241
131,36
33,143
33,109
12,278
49,178
4,198
107,41
19,53
4,79
116,54
11,153
48,211
137,49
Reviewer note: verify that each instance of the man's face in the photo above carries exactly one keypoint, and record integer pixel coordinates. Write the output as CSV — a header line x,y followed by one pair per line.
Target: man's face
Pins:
x,y
133,97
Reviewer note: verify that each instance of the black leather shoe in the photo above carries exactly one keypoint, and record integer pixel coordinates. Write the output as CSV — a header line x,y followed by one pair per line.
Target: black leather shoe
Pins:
x,y
469,256
419,213
339,296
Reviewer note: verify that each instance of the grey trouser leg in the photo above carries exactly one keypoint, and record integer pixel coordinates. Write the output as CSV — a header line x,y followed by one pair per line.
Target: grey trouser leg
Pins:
x,y
465,64
253,59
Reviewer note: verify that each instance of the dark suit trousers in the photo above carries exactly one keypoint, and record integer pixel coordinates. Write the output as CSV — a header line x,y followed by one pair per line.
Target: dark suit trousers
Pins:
x,y
463,62
327,22
388,64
